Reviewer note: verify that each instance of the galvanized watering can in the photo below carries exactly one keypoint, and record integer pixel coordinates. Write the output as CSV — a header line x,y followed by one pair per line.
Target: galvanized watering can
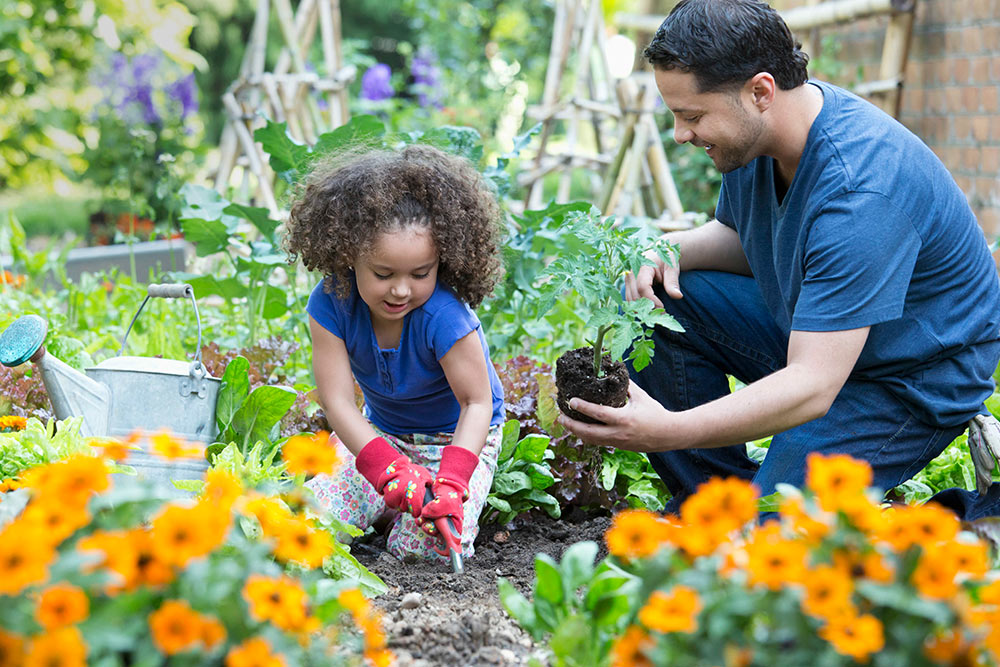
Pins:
x,y
125,395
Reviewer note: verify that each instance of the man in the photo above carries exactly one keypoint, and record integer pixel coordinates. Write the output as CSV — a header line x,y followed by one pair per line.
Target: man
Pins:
x,y
845,280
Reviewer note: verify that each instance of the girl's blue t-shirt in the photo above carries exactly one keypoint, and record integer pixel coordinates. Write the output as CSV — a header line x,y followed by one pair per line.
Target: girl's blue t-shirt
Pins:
x,y
405,388
873,231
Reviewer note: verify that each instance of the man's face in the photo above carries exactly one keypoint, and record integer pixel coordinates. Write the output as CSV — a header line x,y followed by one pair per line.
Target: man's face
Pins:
x,y
720,122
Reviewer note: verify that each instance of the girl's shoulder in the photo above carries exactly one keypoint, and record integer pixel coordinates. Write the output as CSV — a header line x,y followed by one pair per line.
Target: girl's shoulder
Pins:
x,y
444,300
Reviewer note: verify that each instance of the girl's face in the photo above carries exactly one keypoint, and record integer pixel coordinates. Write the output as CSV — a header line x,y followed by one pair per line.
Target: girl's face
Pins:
x,y
399,274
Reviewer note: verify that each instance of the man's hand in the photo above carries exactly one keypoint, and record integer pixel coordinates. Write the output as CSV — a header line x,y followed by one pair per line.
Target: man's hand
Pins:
x,y
639,425
641,285
984,445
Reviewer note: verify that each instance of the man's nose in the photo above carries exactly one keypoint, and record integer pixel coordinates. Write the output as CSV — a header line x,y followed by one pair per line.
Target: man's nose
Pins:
x,y
682,134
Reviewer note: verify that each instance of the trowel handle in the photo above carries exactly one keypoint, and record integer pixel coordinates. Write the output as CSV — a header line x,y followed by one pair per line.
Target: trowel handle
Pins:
x,y
170,291
167,291
452,541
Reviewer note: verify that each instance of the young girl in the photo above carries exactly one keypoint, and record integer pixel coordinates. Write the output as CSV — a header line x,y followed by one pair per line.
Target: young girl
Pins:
x,y
407,241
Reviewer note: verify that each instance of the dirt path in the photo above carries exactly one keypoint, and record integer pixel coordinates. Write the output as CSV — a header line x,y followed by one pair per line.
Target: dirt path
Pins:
x,y
437,618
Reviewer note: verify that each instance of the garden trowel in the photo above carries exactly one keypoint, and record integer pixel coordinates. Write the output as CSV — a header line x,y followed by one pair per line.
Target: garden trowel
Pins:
x,y
452,542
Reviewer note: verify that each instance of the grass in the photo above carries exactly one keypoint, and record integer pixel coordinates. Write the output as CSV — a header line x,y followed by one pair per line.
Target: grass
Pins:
x,y
43,212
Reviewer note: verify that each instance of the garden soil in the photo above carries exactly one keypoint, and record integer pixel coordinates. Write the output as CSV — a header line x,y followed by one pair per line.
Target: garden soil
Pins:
x,y
434,617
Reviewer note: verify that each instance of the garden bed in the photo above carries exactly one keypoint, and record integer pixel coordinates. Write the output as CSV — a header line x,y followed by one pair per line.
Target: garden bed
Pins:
x,y
436,618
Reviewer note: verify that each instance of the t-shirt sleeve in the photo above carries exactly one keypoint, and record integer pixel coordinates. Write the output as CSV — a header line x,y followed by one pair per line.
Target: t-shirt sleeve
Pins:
x,y
450,324
858,260
723,209
326,310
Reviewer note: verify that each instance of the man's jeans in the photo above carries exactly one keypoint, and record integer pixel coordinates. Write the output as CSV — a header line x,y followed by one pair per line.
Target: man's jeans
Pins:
x,y
728,330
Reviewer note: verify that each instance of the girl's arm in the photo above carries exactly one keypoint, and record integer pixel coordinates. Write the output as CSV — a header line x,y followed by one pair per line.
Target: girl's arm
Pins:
x,y
335,387
465,368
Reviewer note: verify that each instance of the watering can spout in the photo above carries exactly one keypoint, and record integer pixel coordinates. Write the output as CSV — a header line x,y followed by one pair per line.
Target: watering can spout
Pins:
x,y
72,393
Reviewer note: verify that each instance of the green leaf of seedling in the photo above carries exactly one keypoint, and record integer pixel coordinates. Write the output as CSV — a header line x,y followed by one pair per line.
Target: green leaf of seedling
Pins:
x,y
519,608
541,476
499,504
201,203
258,217
641,354
509,483
545,501
646,494
233,391
208,236
548,580
572,641
287,157
532,448
463,141
577,565
361,131
609,472
511,429
262,409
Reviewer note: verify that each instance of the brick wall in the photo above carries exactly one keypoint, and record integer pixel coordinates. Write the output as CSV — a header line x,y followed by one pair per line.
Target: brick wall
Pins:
x,y
951,95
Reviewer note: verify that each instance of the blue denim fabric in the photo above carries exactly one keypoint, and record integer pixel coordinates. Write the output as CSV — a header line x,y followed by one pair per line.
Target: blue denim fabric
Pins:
x,y
728,330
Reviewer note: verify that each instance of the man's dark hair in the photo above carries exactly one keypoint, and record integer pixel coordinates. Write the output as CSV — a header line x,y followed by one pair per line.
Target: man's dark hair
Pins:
x,y
726,42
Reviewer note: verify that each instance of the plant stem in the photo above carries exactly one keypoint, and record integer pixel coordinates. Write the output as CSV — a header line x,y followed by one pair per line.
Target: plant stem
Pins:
x,y
599,349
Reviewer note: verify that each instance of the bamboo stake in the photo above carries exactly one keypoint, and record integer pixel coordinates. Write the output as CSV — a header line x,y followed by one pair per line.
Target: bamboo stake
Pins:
x,y
331,59
579,79
626,97
250,151
895,51
227,157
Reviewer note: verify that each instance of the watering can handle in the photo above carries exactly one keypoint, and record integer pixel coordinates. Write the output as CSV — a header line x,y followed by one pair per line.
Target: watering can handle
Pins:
x,y
167,291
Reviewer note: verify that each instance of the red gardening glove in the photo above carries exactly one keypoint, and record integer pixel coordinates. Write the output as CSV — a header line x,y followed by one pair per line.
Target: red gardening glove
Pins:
x,y
401,483
450,489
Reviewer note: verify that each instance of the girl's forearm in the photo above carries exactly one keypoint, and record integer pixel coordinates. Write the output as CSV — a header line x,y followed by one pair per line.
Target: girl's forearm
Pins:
x,y
349,424
473,426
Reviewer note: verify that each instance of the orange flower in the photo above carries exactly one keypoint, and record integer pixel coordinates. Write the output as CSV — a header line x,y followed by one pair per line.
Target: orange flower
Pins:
x,y
150,568
183,533
298,541
175,627
62,647
56,521
934,576
773,560
254,652
268,511
833,478
116,450
12,423
924,524
212,632
222,488
854,636
828,592
354,601
716,510
61,605
282,601
631,648
875,567
674,612
946,647
25,554
864,514
970,558
9,279
803,523
71,482
11,649
309,454
119,556
635,534
10,484
380,657
169,447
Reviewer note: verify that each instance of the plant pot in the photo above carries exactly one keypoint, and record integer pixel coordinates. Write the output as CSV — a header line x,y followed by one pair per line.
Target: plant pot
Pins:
x,y
575,378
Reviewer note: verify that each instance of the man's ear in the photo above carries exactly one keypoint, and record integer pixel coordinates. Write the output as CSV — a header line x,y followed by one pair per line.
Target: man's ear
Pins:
x,y
762,89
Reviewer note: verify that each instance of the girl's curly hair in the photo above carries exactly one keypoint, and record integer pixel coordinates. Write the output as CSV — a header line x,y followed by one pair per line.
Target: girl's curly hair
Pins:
x,y
349,200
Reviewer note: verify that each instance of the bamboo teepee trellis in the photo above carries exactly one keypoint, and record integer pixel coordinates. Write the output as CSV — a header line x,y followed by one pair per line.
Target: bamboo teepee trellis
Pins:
x,y
289,93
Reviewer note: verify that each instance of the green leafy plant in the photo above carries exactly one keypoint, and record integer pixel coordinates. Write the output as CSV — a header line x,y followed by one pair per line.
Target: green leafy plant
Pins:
x,y
577,607
40,443
601,253
523,474
247,417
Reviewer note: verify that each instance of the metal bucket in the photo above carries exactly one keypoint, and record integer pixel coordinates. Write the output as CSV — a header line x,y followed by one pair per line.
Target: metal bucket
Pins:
x,y
150,395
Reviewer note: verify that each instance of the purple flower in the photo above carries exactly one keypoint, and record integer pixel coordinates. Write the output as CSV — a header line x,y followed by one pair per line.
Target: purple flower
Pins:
x,y
426,78
375,84
183,90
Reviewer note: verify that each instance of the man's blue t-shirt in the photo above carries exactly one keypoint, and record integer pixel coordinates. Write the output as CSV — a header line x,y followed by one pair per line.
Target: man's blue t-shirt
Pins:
x,y
873,231
405,388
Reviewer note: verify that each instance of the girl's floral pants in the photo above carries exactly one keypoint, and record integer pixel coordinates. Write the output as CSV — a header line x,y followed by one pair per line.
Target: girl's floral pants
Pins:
x,y
351,498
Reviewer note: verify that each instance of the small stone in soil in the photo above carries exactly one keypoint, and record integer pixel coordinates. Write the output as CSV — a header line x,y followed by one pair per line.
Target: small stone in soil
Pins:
x,y
410,601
